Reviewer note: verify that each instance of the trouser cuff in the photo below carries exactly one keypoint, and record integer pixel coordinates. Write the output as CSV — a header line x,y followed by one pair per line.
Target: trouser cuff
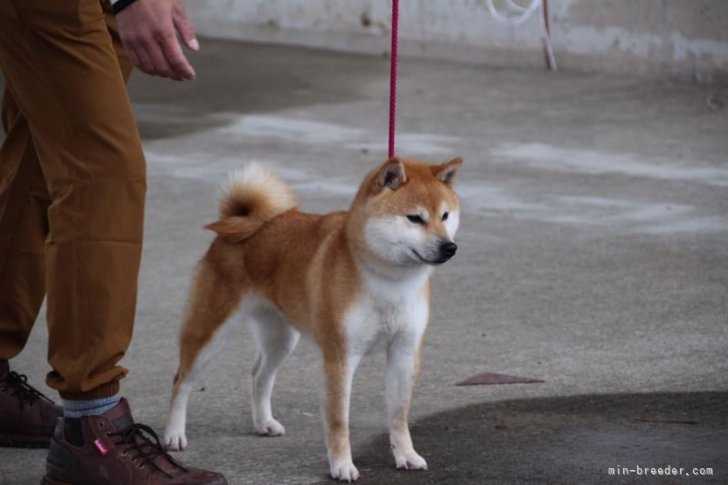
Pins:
x,y
105,390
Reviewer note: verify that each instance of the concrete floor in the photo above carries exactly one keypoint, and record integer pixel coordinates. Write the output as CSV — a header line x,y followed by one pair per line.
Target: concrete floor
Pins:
x,y
593,256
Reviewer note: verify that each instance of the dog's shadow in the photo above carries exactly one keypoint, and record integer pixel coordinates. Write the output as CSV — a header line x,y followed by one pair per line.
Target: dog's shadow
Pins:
x,y
573,439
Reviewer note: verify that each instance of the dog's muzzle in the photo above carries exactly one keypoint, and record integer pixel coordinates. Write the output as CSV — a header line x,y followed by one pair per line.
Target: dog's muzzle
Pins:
x,y
442,254
447,250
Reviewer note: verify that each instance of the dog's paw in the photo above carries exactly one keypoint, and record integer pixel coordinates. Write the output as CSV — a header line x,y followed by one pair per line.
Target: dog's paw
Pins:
x,y
344,471
175,440
270,427
410,461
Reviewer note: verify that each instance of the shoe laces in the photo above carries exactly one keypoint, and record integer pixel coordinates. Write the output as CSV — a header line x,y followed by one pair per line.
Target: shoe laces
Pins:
x,y
19,384
142,443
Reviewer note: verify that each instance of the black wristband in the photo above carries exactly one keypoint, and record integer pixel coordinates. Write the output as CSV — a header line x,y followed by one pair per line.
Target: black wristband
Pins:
x,y
120,5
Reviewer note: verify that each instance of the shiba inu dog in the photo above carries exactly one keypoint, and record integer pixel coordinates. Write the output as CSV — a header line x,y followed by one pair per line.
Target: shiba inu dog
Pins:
x,y
349,280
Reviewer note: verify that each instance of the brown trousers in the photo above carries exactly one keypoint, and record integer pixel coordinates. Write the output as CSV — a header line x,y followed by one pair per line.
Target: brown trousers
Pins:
x,y
72,188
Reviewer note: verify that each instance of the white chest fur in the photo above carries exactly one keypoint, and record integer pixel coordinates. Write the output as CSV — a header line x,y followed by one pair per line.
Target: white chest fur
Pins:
x,y
387,309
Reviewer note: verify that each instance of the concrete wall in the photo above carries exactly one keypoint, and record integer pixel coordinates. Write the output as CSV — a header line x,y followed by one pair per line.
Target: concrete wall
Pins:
x,y
686,39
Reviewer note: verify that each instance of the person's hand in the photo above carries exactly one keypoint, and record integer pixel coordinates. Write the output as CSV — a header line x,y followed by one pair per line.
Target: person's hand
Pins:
x,y
148,31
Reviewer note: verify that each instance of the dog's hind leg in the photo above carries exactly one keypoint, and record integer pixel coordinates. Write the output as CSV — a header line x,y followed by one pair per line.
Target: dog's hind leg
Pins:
x,y
276,340
213,299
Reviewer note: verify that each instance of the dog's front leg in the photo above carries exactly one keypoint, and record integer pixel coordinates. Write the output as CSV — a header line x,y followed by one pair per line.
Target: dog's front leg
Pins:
x,y
339,372
402,367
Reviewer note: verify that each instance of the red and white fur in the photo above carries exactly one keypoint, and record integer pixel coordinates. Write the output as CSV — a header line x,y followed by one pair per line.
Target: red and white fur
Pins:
x,y
349,280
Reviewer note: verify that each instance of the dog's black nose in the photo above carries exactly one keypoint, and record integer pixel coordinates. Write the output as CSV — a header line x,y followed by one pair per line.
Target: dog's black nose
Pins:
x,y
448,249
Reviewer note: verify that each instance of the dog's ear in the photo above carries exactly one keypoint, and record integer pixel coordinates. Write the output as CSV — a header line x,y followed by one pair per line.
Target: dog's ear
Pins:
x,y
446,172
392,174
235,229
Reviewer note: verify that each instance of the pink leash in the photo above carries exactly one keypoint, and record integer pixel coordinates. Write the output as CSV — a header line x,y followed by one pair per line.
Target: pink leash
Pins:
x,y
393,77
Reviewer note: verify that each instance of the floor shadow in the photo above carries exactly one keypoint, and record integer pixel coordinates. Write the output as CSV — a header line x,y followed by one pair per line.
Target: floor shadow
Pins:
x,y
565,440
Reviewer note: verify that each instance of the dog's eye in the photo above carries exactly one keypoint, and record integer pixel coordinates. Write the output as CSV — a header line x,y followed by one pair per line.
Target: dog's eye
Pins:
x,y
445,216
416,218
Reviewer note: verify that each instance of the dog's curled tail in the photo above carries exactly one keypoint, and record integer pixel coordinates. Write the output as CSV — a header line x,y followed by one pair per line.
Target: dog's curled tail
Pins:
x,y
252,196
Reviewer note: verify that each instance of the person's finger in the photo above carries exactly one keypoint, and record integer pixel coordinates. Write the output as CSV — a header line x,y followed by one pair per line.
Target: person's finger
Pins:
x,y
176,60
135,50
145,63
133,58
185,28
154,49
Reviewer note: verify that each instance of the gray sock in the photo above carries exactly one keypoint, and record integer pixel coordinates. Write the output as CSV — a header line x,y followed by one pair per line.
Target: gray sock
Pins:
x,y
93,407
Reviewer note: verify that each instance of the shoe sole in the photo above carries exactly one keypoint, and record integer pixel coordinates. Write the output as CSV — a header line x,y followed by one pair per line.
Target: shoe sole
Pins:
x,y
48,481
